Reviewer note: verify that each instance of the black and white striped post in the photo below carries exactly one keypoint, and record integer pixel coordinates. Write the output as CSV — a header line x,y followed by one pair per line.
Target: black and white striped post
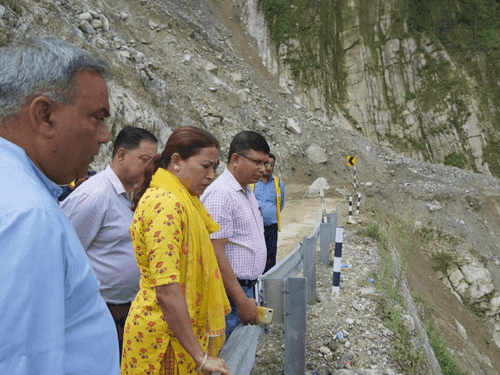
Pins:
x,y
355,181
337,260
359,200
350,207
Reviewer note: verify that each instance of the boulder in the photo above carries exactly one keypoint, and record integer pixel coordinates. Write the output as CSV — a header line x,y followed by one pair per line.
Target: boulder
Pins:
x,y
292,126
105,22
212,68
237,77
96,24
316,154
86,16
86,28
139,57
435,206
316,186
242,96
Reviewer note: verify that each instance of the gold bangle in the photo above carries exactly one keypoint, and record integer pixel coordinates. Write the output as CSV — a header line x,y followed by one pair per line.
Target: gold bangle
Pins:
x,y
202,363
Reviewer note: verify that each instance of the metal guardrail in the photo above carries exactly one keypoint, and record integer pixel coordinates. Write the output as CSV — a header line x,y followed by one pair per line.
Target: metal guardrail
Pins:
x,y
289,295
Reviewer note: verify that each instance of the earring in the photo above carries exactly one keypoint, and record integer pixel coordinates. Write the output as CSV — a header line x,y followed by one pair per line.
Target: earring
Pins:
x,y
234,165
176,168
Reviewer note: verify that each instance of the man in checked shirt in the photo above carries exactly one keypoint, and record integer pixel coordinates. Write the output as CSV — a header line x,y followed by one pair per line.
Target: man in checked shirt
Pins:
x,y
239,245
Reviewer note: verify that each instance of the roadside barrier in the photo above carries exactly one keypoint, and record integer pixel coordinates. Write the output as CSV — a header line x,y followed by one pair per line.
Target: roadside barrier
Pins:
x,y
281,290
337,260
359,200
350,207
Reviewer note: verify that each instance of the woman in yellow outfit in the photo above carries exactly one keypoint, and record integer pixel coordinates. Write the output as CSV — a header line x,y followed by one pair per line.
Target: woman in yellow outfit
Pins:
x,y
176,323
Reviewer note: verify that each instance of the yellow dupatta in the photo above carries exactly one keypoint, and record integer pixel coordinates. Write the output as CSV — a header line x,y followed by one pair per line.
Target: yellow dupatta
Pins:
x,y
204,291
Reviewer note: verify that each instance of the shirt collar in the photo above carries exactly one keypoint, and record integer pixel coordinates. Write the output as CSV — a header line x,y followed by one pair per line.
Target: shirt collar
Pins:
x,y
115,181
18,152
271,177
233,184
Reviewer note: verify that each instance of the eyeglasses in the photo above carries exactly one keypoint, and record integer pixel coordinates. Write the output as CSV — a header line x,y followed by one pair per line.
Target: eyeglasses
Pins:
x,y
260,163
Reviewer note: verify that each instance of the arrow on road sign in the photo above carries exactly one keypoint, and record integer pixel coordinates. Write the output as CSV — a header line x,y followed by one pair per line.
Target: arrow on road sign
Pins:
x,y
351,160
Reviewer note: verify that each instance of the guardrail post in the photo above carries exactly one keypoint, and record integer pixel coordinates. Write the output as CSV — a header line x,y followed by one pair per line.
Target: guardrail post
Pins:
x,y
273,298
326,237
324,242
295,325
337,260
309,245
332,220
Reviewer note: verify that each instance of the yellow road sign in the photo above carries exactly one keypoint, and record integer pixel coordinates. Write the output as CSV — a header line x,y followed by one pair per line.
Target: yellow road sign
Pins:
x,y
351,160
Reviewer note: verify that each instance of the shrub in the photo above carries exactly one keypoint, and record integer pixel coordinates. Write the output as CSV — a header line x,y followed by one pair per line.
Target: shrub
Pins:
x,y
449,365
442,262
454,159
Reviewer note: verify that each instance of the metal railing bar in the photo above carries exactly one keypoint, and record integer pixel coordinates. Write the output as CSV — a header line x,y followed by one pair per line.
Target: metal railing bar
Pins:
x,y
284,268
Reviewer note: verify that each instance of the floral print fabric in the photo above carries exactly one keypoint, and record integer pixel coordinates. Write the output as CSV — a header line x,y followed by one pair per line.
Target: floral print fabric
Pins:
x,y
170,235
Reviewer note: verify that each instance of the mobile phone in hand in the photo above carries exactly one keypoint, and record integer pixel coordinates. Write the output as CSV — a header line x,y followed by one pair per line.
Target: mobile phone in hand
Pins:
x,y
265,314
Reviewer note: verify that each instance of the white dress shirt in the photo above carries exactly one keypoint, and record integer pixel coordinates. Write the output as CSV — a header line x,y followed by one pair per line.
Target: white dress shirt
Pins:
x,y
99,210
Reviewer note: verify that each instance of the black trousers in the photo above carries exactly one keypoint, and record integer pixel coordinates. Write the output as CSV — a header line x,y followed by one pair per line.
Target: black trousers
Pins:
x,y
271,235
119,313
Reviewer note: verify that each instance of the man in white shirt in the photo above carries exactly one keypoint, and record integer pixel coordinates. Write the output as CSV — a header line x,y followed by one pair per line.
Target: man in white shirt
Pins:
x,y
100,212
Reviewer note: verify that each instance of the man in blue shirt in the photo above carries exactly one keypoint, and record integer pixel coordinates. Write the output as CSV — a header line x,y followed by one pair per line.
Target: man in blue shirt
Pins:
x,y
270,193
53,102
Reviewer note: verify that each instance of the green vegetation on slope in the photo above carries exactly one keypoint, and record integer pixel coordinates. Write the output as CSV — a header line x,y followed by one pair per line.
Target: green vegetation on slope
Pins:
x,y
310,31
467,30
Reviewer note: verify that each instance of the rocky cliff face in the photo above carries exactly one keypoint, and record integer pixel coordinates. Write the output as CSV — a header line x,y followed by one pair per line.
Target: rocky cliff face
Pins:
x,y
412,88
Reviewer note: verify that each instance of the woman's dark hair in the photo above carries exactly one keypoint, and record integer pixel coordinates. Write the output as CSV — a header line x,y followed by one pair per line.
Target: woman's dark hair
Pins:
x,y
186,141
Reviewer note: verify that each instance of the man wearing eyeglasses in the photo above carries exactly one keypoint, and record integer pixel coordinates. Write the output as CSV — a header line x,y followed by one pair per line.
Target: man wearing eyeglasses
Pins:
x,y
239,245
270,193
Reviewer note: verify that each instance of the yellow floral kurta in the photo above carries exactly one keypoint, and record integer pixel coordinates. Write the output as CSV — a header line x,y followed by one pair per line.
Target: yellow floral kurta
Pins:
x,y
170,235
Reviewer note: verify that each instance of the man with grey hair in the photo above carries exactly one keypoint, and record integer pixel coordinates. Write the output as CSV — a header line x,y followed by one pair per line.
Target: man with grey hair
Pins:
x,y
53,102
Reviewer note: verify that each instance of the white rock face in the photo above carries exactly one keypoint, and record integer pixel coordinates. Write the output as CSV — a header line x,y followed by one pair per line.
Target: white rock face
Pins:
x,y
462,287
256,25
316,186
316,154
480,281
456,277
495,305
496,334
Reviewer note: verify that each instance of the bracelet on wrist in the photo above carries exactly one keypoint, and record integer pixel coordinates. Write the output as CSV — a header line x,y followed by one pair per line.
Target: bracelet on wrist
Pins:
x,y
202,363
